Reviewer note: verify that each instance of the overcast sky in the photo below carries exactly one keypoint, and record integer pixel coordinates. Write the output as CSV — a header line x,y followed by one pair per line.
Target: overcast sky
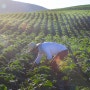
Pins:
x,y
53,4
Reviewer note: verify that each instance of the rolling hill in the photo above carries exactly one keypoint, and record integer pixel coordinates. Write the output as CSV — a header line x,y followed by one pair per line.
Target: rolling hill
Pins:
x,y
69,27
8,6
79,7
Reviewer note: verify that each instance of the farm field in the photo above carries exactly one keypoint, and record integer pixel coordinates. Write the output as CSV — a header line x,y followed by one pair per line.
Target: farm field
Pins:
x,y
69,27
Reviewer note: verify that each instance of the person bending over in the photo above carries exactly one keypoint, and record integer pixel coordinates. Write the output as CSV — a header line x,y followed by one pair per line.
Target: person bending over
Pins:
x,y
53,51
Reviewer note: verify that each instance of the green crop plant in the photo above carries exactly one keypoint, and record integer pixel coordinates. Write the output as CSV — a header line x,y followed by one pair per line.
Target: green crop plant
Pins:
x,y
69,27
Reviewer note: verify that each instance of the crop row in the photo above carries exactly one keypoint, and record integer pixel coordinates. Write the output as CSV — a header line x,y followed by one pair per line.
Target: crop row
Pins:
x,y
17,30
15,27
59,22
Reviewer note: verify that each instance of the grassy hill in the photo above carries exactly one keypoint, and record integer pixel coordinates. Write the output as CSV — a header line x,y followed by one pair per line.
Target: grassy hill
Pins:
x,y
79,7
69,27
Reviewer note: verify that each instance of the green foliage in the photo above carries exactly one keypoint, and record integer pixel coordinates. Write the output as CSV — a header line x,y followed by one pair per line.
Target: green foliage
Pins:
x,y
2,60
3,87
6,77
40,78
16,65
69,27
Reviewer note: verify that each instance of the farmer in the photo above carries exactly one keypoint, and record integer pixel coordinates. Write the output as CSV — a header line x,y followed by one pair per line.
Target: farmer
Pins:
x,y
52,50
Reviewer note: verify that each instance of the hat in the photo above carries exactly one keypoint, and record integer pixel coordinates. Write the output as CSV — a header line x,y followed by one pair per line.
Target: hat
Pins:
x,y
31,46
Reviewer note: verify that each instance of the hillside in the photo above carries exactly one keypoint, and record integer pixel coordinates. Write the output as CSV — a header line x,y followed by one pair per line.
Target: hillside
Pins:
x,y
69,27
9,6
79,7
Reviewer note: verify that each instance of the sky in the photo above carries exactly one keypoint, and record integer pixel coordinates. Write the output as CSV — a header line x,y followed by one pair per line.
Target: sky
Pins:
x,y
54,4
